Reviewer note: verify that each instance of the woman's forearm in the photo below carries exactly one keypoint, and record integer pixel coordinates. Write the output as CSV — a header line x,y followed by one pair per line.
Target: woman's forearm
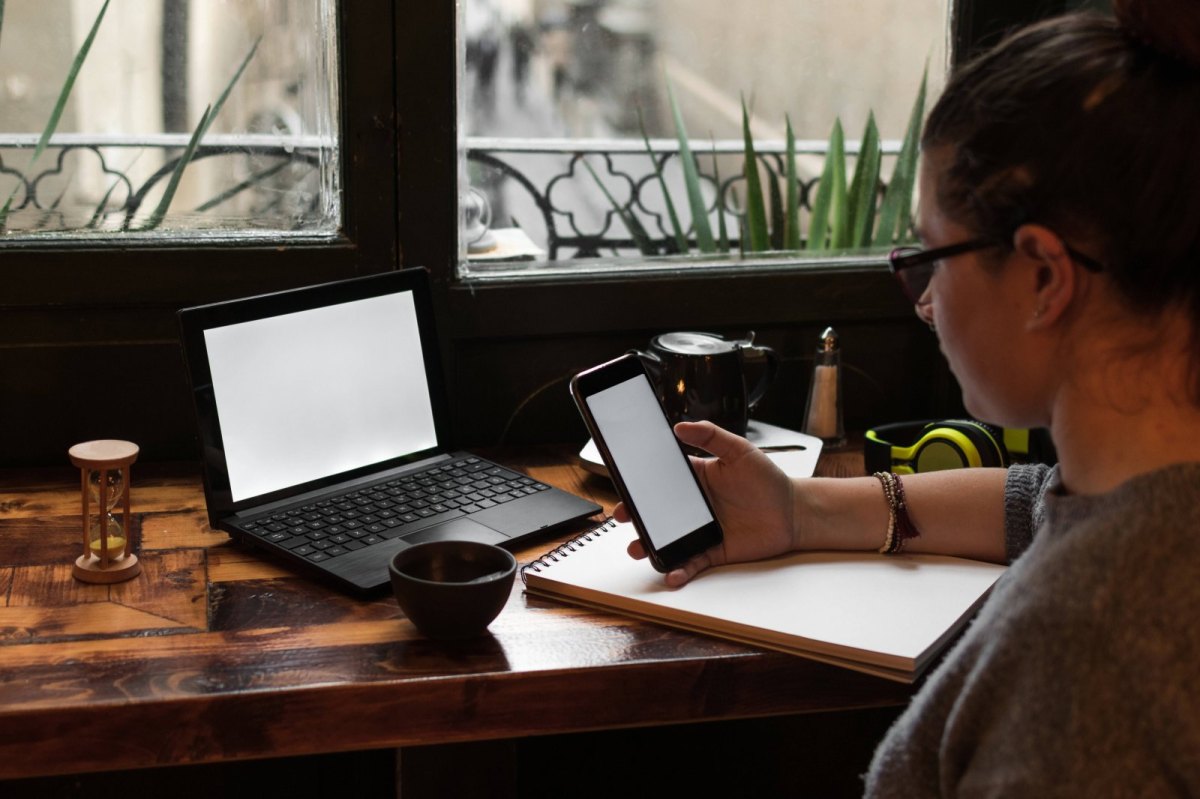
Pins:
x,y
958,512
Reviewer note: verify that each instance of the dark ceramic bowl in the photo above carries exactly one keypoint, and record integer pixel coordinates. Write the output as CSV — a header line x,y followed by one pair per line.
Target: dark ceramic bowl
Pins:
x,y
452,589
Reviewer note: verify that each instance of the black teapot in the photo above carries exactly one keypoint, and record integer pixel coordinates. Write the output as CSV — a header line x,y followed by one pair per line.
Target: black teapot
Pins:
x,y
703,376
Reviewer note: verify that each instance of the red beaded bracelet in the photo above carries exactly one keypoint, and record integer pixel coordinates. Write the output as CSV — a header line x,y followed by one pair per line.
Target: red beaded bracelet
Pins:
x,y
900,526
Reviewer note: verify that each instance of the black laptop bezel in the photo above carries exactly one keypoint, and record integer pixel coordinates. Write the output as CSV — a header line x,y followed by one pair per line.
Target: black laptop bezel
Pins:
x,y
195,320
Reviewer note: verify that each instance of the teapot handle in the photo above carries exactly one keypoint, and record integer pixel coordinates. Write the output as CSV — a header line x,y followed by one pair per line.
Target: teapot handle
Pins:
x,y
770,363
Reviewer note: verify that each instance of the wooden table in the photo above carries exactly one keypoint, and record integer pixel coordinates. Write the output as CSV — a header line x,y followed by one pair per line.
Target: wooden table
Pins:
x,y
215,654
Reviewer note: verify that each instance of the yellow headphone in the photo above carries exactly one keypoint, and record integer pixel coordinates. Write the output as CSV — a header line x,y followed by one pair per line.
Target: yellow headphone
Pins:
x,y
949,444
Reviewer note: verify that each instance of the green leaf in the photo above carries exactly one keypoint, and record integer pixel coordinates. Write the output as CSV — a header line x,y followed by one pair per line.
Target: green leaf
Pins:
x,y
640,236
160,212
839,210
216,107
98,214
681,241
897,200
775,206
829,219
861,199
233,191
791,239
58,200
756,212
818,225
8,206
206,120
723,234
1,15
691,178
64,94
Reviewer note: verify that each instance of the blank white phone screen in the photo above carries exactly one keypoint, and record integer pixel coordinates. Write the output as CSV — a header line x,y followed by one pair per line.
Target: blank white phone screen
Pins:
x,y
657,476
311,394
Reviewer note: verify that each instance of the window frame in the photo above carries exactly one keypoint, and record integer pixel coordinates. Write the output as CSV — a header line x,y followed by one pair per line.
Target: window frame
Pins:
x,y
175,272
429,211
69,328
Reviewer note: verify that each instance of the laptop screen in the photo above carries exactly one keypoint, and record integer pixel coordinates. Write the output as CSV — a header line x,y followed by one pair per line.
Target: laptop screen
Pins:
x,y
310,394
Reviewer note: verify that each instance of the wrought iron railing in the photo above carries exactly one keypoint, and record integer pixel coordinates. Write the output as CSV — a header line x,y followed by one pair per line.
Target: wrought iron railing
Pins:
x,y
37,190
578,221
552,181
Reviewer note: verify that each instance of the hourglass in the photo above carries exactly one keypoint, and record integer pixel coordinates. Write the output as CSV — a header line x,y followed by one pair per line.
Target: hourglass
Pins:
x,y
107,551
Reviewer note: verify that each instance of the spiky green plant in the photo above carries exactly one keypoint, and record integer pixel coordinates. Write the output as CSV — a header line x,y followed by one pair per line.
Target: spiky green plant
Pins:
x,y
64,94
843,217
160,211
860,199
681,242
896,207
691,179
756,212
791,239
831,192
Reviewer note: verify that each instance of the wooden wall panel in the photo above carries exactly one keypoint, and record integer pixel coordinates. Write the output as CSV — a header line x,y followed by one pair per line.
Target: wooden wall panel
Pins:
x,y
58,394
891,372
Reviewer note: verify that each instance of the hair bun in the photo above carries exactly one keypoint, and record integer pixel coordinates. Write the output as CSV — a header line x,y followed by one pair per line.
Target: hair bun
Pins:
x,y
1172,27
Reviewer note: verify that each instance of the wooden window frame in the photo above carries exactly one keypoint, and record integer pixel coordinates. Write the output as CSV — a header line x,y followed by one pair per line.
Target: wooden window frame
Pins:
x,y
89,344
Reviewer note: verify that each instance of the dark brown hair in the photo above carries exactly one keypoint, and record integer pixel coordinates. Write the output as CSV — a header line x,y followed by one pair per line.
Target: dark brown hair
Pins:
x,y
1090,125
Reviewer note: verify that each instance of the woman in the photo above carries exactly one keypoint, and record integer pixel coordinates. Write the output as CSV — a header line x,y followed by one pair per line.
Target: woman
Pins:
x,y
1060,215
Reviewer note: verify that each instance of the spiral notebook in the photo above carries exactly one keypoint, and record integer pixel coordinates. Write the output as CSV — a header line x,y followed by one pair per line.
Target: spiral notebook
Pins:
x,y
884,615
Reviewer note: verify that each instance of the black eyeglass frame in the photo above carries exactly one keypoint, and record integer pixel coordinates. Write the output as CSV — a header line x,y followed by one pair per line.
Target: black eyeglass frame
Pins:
x,y
903,258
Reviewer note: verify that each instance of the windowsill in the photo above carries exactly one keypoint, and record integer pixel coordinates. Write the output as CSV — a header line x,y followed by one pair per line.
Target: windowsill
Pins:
x,y
482,271
605,297
173,239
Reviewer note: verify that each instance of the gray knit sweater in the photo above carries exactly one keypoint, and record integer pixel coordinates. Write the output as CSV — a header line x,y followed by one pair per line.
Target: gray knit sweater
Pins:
x,y
1080,677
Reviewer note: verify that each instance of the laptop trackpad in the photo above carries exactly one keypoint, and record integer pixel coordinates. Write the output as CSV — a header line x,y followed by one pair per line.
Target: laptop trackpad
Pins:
x,y
457,530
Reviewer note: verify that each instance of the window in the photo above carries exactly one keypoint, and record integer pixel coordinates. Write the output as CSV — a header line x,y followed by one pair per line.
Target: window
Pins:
x,y
556,94
88,336
169,119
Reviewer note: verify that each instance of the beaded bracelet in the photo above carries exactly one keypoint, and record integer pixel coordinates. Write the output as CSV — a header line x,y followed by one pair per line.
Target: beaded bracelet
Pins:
x,y
900,527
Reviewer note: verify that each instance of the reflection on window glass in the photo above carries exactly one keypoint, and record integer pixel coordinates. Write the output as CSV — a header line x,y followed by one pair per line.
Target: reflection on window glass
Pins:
x,y
547,80
186,117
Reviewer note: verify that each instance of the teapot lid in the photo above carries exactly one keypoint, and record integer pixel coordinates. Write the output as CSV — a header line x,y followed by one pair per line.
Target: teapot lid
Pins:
x,y
695,343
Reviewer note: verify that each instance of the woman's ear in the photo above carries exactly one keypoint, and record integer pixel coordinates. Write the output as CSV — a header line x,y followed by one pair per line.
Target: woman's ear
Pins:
x,y
1052,277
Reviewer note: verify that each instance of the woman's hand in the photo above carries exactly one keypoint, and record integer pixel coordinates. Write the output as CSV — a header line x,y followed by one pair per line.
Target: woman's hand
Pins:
x,y
752,498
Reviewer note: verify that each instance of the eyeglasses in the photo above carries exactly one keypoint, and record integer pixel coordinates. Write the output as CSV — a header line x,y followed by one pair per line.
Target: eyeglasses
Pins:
x,y
913,267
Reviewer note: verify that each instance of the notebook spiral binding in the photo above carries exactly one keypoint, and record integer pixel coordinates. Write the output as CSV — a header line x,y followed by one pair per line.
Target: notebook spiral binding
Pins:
x,y
563,550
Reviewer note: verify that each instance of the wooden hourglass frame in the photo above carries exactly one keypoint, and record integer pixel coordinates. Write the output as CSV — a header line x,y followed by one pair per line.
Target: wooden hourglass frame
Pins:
x,y
107,557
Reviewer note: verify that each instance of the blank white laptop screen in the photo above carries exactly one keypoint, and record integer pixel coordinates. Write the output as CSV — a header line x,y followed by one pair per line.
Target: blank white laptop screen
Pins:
x,y
314,393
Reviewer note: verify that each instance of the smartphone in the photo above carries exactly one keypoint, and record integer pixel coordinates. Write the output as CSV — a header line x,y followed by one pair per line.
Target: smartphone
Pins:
x,y
652,474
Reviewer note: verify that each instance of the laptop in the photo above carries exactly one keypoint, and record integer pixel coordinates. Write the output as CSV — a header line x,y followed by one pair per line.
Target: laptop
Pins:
x,y
325,441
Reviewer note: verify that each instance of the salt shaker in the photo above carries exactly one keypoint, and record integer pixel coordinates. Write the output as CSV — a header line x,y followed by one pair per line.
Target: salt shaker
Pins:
x,y
823,412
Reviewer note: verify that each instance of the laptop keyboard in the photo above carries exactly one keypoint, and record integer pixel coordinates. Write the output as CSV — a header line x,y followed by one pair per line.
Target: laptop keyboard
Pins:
x,y
336,525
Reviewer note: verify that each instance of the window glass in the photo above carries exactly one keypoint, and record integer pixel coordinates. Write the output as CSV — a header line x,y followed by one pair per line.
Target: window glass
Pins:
x,y
185,118
553,87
